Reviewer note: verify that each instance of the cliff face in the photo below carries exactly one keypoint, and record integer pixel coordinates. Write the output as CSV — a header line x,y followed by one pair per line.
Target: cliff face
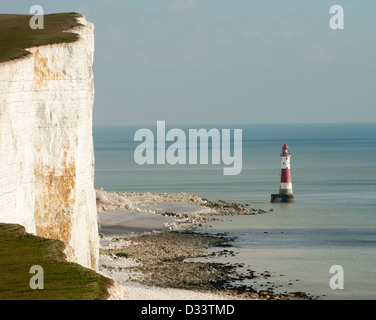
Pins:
x,y
46,147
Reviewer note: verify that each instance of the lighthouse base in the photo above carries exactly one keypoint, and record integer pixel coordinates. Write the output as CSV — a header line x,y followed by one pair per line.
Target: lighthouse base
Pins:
x,y
282,198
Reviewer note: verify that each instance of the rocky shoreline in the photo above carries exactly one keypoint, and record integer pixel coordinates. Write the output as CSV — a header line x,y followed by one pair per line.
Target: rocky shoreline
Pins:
x,y
180,258
143,202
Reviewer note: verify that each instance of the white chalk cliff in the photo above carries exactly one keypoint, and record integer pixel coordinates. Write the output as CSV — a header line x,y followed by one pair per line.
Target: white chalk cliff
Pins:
x,y
46,144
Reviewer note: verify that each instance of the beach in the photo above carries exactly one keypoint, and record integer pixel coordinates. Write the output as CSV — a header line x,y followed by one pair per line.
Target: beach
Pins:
x,y
150,247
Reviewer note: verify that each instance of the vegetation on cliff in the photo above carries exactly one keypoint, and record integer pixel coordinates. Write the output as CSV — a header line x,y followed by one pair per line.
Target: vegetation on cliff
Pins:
x,y
16,34
63,280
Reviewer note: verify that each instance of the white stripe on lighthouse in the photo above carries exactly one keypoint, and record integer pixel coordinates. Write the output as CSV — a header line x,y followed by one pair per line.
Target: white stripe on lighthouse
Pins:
x,y
285,162
286,185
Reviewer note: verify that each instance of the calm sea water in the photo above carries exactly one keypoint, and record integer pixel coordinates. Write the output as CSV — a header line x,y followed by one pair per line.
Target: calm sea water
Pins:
x,y
333,219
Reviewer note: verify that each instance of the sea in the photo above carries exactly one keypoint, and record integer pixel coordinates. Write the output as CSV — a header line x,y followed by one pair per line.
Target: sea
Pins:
x,y
331,224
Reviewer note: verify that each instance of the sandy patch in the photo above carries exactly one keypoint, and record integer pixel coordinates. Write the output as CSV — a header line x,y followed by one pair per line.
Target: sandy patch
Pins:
x,y
126,222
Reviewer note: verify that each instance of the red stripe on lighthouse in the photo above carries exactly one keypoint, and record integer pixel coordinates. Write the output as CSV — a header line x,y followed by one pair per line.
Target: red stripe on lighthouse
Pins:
x,y
285,176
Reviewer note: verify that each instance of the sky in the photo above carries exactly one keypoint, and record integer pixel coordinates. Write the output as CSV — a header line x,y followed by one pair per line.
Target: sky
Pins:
x,y
193,62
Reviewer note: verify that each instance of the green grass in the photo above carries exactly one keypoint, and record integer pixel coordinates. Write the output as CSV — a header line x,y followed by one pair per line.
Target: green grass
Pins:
x,y
16,34
62,280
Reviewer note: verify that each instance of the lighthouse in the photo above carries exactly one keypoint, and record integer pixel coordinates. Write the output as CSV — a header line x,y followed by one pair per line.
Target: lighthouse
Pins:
x,y
285,188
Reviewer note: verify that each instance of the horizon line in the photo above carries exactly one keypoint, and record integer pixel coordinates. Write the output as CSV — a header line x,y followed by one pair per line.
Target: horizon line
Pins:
x,y
235,124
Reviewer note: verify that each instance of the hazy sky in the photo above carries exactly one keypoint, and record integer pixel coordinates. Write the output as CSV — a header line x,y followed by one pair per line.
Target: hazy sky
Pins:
x,y
227,61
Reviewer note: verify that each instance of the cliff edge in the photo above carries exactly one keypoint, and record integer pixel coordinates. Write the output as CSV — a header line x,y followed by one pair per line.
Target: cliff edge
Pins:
x,y
46,144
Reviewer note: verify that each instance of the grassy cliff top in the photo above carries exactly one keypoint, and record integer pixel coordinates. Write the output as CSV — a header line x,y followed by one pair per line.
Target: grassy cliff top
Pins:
x,y
16,34
63,280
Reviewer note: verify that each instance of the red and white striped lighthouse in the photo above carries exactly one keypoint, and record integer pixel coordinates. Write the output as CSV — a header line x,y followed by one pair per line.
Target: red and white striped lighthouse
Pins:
x,y
285,188
286,185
